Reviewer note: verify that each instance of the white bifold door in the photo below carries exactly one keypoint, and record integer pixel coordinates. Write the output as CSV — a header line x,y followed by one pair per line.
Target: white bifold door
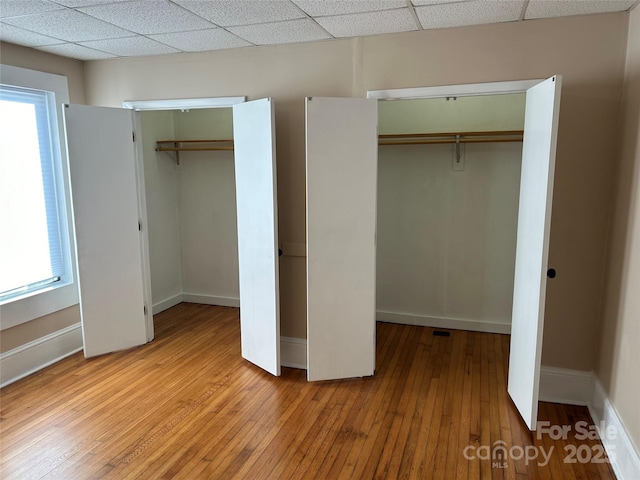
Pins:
x,y
532,248
257,217
342,162
104,188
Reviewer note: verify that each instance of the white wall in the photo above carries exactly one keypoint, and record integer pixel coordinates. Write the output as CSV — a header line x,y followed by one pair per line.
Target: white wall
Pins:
x,y
446,239
162,192
191,209
208,229
468,114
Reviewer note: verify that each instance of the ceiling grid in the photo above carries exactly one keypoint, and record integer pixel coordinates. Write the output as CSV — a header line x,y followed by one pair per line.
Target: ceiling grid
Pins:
x,y
100,29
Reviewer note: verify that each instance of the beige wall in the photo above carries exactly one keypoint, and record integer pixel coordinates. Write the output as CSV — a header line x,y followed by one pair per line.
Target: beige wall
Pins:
x,y
619,360
73,69
589,52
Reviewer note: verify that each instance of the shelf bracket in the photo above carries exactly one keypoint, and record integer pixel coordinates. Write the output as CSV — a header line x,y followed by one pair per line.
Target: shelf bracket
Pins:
x,y
458,156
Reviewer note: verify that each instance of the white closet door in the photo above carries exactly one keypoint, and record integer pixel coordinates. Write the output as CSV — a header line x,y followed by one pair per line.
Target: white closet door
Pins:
x,y
534,219
342,161
257,217
104,189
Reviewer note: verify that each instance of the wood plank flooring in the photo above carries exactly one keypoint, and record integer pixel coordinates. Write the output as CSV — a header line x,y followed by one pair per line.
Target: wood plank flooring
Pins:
x,y
187,406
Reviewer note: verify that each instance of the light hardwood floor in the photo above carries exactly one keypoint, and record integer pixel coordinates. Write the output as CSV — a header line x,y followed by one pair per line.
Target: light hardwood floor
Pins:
x,y
187,406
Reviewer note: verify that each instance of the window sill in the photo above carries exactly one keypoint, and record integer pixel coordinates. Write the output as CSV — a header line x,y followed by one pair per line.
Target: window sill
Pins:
x,y
37,304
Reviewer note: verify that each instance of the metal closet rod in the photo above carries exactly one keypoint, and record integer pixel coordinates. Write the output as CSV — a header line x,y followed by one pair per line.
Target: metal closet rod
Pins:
x,y
451,137
176,145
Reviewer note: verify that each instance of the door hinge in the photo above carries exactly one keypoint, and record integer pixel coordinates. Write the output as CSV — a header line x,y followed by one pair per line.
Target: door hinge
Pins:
x,y
133,135
139,226
145,309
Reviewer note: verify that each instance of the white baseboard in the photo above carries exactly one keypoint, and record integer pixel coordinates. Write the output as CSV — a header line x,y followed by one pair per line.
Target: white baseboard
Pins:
x,y
453,323
167,303
211,300
577,387
38,354
293,352
624,456
561,385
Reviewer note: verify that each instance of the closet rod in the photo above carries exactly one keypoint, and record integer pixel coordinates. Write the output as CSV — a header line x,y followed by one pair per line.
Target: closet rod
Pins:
x,y
451,137
452,140
192,149
493,133
205,146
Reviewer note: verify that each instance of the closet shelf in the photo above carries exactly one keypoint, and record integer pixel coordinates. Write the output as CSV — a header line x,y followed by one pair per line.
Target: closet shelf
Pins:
x,y
178,146
451,137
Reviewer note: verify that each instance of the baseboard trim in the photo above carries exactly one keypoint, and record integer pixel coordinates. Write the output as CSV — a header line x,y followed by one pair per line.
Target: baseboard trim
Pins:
x,y
624,456
293,352
211,300
40,353
437,322
167,303
578,387
562,385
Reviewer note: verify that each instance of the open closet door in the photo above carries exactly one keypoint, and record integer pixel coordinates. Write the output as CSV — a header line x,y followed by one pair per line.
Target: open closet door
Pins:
x,y
534,219
104,188
257,217
342,162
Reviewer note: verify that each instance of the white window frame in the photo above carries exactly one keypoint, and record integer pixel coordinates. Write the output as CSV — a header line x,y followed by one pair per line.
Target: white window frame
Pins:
x,y
62,294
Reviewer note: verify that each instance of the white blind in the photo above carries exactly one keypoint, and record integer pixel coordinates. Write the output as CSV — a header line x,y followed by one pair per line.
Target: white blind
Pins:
x,y
30,239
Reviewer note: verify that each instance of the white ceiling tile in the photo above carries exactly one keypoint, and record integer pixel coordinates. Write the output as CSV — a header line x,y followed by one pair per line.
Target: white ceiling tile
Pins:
x,y
370,23
233,12
85,3
417,3
9,33
469,13
12,8
556,8
291,31
76,51
323,8
130,46
162,17
68,25
201,40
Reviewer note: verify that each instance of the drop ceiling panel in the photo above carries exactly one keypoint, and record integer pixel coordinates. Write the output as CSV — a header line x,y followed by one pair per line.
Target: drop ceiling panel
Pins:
x,y
291,31
417,3
68,25
9,33
86,3
137,17
131,46
323,8
201,40
555,8
469,13
233,12
369,23
11,8
76,51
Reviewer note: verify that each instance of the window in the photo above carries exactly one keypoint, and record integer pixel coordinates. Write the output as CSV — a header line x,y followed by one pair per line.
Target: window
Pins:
x,y
36,265
31,248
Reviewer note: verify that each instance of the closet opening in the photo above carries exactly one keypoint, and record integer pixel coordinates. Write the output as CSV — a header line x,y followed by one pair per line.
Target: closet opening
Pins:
x,y
208,193
540,136
447,215
190,196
